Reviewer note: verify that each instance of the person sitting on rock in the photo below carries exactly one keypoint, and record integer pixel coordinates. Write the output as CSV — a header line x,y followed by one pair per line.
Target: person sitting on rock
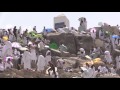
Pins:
x,y
113,70
108,57
103,69
60,63
82,53
93,53
85,72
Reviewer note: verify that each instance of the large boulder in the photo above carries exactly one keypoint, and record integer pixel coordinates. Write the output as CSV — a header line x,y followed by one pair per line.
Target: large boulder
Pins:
x,y
84,41
68,39
73,42
115,53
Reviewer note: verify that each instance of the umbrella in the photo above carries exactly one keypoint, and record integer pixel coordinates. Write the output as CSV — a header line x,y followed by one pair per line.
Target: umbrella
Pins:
x,y
16,45
53,46
23,48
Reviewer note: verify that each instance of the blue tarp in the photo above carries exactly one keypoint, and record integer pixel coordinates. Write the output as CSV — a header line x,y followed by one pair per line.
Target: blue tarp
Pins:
x,y
115,36
48,30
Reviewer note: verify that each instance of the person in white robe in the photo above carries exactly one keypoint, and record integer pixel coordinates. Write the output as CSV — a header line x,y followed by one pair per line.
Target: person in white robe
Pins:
x,y
8,64
41,63
41,45
82,53
60,63
84,72
93,33
93,53
101,34
7,50
25,41
117,62
1,66
26,60
33,56
48,57
103,69
108,57
112,70
33,53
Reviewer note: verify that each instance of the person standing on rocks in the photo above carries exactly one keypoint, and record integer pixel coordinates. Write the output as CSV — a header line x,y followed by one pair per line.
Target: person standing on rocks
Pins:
x,y
33,56
26,60
15,32
48,56
41,63
41,45
7,48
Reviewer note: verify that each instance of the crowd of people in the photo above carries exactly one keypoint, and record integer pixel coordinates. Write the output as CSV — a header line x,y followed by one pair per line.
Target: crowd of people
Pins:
x,y
33,59
112,65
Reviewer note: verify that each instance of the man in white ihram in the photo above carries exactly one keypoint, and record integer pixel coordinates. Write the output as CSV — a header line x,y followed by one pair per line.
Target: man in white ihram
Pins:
x,y
41,63
7,48
108,57
48,57
82,53
26,60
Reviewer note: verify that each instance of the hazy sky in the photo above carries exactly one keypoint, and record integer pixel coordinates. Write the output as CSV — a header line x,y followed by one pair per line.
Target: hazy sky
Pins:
x,y
41,19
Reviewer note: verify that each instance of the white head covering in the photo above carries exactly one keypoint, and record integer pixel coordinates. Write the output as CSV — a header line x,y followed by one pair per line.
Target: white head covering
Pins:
x,y
107,52
81,49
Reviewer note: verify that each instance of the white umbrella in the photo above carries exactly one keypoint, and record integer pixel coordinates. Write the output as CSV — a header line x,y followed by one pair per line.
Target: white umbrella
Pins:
x,y
23,48
16,45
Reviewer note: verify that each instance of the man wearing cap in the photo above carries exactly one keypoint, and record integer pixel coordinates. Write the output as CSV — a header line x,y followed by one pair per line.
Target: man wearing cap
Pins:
x,y
7,48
